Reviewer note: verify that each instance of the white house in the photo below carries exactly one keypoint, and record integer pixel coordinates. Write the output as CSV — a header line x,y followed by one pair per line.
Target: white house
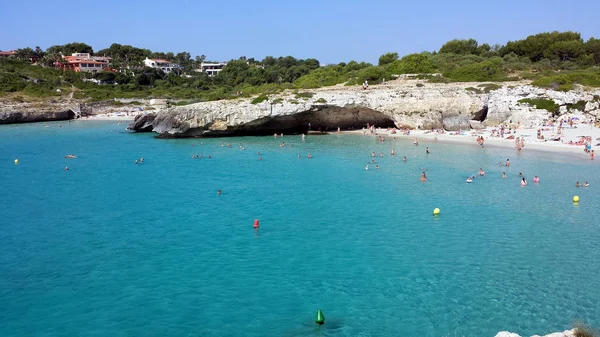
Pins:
x,y
163,65
211,68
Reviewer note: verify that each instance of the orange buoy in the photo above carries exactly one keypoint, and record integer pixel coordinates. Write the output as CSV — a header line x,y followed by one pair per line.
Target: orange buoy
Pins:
x,y
255,223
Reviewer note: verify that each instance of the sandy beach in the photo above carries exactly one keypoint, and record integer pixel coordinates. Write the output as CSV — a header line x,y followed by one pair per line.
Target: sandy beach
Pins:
x,y
568,141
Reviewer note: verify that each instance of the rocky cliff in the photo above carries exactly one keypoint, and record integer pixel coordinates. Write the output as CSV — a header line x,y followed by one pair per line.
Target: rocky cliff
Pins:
x,y
27,113
412,104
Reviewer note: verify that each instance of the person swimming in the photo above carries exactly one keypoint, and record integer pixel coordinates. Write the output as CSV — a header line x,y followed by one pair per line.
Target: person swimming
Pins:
x,y
523,182
503,175
373,154
309,156
507,162
577,184
367,167
376,166
427,150
404,158
423,177
469,180
393,152
536,179
481,172
586,184
219,192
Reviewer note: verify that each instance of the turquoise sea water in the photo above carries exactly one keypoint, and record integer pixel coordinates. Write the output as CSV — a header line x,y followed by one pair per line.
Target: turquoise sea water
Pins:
x,y
110,248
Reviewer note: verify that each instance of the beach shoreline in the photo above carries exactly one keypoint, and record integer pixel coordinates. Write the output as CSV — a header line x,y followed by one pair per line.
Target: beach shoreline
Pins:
x,y
529,134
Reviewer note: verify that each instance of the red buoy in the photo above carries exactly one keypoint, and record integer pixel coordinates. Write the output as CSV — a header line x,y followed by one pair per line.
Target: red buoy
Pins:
x,y
255,223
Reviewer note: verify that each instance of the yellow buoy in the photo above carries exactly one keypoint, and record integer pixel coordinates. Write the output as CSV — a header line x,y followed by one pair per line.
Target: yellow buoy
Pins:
x,y
436,211
576,198
16,161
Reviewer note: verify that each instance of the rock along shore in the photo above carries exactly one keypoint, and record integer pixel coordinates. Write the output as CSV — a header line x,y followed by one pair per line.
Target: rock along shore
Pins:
x,y
409,104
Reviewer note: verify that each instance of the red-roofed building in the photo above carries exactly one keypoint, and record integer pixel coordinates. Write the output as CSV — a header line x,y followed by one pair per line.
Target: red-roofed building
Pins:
x,y
8,53
83,62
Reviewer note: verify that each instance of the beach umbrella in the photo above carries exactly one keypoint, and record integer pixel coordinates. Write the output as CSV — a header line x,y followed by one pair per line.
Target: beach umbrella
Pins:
x,y
574,119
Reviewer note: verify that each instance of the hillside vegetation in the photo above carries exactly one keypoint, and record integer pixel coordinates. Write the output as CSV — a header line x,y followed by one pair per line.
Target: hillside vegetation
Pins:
x,y
557,60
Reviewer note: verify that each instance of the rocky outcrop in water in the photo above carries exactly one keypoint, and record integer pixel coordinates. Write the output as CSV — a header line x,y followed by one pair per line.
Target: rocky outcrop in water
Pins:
x,y
10,117
425,105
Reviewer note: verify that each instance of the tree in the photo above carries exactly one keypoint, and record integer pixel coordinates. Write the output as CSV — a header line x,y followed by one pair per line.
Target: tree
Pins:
x,y
462,47
565,50
412,64
535,46
70,48
387,58
592,47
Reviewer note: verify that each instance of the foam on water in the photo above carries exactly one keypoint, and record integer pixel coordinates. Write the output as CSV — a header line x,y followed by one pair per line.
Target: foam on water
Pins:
x,y
110,248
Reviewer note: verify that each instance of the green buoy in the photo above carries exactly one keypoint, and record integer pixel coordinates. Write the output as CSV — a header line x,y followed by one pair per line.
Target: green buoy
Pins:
x,y
320,319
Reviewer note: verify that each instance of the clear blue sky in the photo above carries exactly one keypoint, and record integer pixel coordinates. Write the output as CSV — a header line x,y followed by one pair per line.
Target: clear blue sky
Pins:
x,y
329,30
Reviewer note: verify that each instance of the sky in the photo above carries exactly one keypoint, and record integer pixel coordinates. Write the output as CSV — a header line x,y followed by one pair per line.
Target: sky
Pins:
x,y
331,31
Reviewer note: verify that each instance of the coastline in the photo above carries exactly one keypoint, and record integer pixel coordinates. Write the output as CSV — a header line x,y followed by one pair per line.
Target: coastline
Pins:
x,y
529,134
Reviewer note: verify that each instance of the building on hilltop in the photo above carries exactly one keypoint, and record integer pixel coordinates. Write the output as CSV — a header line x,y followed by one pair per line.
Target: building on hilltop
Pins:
x,y
163,65
7,54
84,62
211,69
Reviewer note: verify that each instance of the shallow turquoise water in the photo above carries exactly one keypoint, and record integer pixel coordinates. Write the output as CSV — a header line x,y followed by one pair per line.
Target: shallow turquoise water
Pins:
x,y
110,248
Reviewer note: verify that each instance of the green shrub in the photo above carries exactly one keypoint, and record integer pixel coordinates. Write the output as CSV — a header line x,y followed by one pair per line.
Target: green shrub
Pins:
x,y
412,64
540,103
475,90
321,100
277,101
261,98
580,105
565,81
293,101
489,87
304,95
478,72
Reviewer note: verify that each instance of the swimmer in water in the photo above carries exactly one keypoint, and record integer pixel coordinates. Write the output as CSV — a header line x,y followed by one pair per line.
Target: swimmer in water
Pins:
x,y
481,172
259,158
373,154
142,160
135,162
219,192
416,142
427,150
536,179
367,167
469,180
381,155
66,168
503,175
577,184
423,177
299,155
586,184
404,158
309,156
520,174
507,162
393,152
523,182
376,166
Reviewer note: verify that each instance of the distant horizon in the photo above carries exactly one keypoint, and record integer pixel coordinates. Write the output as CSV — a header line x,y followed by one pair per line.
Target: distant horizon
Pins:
x,y
331,32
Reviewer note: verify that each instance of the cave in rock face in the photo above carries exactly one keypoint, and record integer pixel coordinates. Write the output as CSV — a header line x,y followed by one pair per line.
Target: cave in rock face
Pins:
x,y
322,118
